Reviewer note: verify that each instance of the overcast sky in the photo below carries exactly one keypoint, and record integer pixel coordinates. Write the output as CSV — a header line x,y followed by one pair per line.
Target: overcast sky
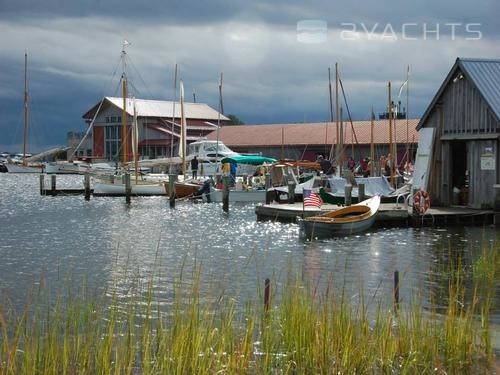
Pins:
x,y
270,74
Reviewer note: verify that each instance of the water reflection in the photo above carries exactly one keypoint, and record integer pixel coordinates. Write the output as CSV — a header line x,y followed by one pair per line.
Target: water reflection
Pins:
x,y
112,246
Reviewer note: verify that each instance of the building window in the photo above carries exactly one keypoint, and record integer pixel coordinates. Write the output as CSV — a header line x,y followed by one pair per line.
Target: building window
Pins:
x,y
112,141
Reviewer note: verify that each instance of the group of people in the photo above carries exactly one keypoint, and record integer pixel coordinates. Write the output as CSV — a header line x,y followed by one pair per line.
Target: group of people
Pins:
x,y
366,165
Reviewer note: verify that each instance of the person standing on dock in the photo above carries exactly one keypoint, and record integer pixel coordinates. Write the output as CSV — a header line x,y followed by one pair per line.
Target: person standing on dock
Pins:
x,y
194,168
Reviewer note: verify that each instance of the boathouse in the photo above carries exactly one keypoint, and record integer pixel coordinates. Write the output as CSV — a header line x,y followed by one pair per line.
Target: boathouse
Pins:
x,y
158,124
305,141
465,118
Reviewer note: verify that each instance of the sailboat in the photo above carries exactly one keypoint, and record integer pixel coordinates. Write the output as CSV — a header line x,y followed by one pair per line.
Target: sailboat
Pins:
x,y
114,185
185,187
23,166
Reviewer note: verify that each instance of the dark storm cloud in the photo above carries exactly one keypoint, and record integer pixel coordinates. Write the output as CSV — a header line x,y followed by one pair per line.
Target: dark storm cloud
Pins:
x,y
269,76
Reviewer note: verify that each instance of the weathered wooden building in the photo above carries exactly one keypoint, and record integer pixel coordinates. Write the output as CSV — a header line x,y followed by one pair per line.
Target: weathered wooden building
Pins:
x,y
465,115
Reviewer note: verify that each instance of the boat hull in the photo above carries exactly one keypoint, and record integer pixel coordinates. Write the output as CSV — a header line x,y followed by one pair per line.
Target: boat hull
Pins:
x,y
185,189
64,168
17,168
313,229
339,200
239,195
118,189
342,222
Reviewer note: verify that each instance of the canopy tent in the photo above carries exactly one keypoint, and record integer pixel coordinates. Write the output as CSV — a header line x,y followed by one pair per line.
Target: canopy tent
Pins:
x,y
248,159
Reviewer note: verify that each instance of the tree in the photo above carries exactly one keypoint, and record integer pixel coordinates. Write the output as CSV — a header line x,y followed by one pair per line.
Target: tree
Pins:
x,y
235,120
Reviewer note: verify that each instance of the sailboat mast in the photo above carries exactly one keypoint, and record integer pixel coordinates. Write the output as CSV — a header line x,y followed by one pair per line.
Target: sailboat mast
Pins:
x,y
183,132
124,111
135,144
391,158
337,149
331,109
124,121
25,132
218,123
173,120
407,112
341,133
372,152
173,113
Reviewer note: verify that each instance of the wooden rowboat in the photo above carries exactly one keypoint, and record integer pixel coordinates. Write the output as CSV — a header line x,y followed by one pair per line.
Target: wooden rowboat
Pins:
x,y
345,221
184,189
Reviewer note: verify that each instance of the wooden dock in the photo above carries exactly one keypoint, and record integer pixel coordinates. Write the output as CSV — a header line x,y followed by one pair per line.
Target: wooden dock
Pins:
x,y
389,214
55,192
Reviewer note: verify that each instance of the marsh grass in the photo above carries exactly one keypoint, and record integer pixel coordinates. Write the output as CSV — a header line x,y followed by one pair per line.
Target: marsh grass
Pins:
x,y
305,331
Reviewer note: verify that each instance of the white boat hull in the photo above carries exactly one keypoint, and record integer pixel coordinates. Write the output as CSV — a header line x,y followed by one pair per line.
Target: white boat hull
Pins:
x,y
66,168
239,195
118,189
18,168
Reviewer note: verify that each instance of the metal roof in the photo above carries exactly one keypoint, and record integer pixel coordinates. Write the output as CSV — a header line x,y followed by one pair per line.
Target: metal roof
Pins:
x,y
486,76
483,73
314,134
160,108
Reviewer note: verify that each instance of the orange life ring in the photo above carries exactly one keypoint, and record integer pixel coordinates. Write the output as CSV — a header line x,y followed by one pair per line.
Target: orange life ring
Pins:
x,y
421,201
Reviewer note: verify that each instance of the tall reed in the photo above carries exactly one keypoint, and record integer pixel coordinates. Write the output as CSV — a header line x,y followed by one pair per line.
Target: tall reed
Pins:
x,y
304,331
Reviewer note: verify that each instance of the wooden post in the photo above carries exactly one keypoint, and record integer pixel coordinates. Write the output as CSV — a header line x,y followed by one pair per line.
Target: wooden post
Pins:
x,y
267,294
226,181
128,188
291,192
348,194
269,194
53,184
171,189
86,186
42,184
396,291
268,180
361,192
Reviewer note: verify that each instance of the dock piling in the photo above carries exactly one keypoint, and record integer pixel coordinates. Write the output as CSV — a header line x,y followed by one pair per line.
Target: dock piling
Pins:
x,y
269,194
42,184
268,180
128,188
267,290
53,184
291,192
396,290
348,194
171,189
86,186
226,181
361,192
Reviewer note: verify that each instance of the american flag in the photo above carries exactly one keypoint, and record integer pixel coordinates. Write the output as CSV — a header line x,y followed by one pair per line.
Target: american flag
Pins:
x,y
312,199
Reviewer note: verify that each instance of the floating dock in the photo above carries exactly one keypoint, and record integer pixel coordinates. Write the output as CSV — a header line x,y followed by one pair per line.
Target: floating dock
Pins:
x,y
390,214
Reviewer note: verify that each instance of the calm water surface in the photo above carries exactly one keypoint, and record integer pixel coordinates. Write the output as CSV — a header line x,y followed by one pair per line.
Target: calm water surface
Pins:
x,y
61,241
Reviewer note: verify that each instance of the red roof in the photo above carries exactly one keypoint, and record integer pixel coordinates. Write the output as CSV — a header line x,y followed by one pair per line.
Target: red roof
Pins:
x,y
314,133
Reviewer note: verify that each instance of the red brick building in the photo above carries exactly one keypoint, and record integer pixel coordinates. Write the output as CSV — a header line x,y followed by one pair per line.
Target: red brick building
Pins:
x,y
158,126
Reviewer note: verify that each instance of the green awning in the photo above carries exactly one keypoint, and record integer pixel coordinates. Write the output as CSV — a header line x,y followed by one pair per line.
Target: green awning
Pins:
x,y
249,159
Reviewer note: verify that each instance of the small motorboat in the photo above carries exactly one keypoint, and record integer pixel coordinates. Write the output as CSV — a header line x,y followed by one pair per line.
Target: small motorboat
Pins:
x,y
345,221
